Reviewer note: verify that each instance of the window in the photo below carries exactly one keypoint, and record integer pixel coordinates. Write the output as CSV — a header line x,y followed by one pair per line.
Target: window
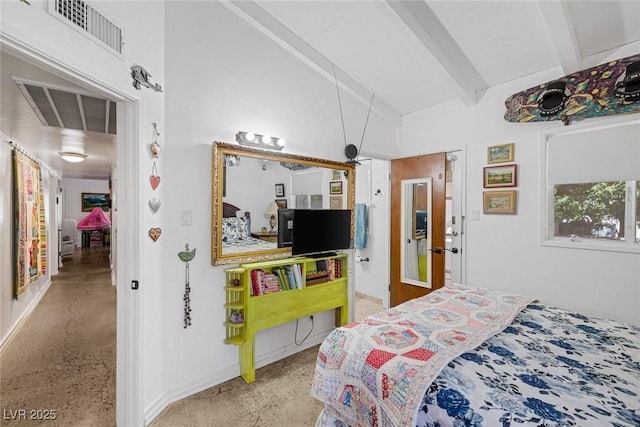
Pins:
x,y
593,188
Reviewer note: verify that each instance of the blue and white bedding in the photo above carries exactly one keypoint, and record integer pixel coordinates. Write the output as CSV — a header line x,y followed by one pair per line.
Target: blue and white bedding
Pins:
x,y
236,237
248,244
550,367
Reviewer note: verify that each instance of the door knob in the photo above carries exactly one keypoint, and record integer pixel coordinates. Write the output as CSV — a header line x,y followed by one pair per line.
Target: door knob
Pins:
x,y
436,250
453,250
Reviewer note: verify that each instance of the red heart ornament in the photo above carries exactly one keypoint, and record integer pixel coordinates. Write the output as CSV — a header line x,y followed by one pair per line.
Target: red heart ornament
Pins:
x,y
155,181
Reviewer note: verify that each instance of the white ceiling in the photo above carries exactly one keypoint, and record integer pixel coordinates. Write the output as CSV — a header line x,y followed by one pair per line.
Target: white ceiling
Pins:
x,y
411,54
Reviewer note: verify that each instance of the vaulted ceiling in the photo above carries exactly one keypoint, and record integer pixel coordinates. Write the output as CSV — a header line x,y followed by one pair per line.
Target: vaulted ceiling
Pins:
x,y
410,54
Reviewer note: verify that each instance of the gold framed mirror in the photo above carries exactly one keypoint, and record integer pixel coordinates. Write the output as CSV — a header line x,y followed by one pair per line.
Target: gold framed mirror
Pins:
x,y
249,188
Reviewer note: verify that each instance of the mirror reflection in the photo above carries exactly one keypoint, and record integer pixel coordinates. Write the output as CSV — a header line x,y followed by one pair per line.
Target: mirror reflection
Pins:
x,y
416,232
252,189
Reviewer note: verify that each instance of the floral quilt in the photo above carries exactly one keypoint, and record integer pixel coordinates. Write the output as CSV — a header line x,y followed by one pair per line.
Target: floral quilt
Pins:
x,y
375,372
551,367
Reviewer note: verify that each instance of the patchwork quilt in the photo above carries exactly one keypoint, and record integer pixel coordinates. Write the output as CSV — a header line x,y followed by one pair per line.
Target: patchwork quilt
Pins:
x,y
375,372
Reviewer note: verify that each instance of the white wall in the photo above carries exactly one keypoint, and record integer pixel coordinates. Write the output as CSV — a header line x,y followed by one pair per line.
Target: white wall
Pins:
x,y
504,251
224,76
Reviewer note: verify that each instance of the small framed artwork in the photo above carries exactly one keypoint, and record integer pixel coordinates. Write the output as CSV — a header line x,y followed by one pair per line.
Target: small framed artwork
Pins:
x,y
335,187
501,153
95,200
279,190
500,176
282,203
500,202
335,175
335,202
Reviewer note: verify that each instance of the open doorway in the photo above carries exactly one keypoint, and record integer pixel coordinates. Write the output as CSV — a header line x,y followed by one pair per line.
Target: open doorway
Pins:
x,y
371,266
125,260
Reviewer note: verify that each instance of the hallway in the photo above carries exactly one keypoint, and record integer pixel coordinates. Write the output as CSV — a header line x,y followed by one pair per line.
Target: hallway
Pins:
x,y
62,362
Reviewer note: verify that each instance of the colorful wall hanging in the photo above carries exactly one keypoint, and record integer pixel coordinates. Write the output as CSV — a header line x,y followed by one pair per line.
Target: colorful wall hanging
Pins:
x,y
603,90
30,224
187,256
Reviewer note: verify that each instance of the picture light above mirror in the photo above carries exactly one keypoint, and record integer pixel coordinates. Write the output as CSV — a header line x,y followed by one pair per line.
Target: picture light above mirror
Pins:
x,y
246,182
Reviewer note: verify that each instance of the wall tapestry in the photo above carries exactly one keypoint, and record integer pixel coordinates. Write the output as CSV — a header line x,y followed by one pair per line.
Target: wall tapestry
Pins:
x,y
30,224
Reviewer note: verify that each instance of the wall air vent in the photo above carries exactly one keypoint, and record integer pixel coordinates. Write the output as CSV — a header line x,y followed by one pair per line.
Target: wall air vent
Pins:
x,y
84,18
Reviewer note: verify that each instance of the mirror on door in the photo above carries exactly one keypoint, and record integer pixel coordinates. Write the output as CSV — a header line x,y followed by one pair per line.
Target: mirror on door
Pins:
x,y
416,232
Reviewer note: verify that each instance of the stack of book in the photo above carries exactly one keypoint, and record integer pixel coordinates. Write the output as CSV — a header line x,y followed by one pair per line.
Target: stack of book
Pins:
x,y
278,279
316,277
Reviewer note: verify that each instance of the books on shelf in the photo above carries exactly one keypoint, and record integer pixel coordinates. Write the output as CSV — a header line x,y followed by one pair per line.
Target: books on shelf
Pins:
x,y
280,278
293,276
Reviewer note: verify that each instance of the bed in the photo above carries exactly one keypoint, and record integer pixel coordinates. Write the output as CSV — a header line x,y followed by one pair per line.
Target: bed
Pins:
x,y
236,234
464,356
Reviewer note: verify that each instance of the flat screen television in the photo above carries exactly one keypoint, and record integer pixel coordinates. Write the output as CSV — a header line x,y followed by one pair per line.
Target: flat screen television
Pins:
x,y
316,231
285,227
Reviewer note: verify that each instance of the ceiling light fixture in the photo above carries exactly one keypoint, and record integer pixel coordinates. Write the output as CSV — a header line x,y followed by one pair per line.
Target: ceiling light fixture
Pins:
x,y
72,157
261,141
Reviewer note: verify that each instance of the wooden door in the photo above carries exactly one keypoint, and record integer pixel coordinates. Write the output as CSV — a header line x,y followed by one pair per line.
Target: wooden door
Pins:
x,y
427,166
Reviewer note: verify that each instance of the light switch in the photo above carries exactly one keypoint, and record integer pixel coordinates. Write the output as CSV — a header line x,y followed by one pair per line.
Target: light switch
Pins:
x,y
475,215
185,217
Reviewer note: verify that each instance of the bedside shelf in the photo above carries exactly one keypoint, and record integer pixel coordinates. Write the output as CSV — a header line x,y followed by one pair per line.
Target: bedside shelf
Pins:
x,y
288,297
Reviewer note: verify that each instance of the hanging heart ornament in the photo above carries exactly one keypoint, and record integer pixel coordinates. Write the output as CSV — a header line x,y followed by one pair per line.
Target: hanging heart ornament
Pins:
x,y
154,204
155,233
154,147
154,179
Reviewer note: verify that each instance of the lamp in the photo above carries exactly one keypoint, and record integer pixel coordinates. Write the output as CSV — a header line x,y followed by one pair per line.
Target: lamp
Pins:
x,y
261,141
272,211
72,157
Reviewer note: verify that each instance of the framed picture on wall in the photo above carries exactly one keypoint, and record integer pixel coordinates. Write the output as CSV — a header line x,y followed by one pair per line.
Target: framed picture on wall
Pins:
x,y
95,200
335,202
335,187
282,203
501,153
500,176
500,202
279,190
335,174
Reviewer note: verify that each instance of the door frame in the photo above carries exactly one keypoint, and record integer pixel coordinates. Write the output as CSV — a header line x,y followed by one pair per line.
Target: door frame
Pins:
x,y
129,408
462,205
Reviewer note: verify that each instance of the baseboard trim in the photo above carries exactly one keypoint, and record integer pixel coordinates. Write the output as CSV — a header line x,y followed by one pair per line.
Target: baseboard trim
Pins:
x,y
226,374
13,331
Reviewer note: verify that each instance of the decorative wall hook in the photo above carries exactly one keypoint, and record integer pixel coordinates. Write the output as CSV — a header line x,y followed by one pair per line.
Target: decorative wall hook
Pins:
x,y
187,256
154,147
141,78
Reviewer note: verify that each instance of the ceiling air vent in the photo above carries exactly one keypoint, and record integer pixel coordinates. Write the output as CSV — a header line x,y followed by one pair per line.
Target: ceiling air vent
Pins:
x,y
81,16
60,107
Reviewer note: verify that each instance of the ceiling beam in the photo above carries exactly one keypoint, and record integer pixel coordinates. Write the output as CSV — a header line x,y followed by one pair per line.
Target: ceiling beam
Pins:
x,y
427,29
272,28
563,34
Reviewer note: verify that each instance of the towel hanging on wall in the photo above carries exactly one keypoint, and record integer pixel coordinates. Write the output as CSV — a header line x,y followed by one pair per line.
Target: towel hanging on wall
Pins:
x,y
361,226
